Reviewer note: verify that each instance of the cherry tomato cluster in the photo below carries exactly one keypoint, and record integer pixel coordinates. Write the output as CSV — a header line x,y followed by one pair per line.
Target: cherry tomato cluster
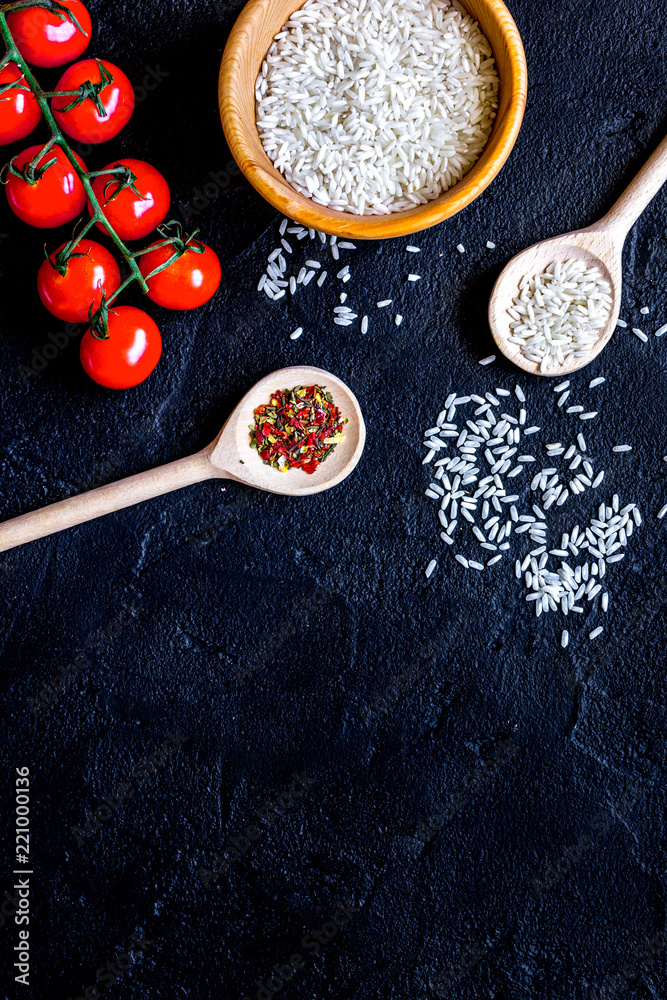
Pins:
x,y
48,186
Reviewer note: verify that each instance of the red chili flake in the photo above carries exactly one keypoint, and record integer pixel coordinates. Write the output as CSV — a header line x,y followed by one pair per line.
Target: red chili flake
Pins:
x,y
298,429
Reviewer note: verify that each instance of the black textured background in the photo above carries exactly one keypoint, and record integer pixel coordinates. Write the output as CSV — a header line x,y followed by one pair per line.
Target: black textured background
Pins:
x,y
280,636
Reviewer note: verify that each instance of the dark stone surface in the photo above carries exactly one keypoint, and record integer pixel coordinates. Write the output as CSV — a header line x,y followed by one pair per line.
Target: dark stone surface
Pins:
x,y
282,636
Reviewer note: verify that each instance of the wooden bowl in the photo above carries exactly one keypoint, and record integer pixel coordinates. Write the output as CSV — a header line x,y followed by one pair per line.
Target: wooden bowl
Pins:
x,y
248,43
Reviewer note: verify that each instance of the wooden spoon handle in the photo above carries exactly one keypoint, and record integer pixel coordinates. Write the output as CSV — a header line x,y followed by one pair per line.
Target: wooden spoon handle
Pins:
x,y
106,499
639,194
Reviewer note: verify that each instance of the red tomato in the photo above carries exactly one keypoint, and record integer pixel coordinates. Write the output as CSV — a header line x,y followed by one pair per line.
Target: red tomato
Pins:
x,y
129,354
55,197
134,204
94,119
90,271
19,110
189,282
45,39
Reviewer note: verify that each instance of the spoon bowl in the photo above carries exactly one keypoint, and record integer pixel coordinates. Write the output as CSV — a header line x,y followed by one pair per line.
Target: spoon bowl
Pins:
x,y
228,457
232,456
599,245
595,249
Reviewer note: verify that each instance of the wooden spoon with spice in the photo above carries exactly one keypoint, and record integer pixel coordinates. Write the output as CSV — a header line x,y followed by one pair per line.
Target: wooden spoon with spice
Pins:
x,y
230,456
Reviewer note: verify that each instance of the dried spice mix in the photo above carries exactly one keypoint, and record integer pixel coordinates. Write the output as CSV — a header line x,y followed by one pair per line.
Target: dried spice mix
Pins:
x,y
297,429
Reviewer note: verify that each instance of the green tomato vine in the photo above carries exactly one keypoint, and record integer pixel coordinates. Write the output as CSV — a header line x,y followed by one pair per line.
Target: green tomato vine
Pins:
x,y
124,178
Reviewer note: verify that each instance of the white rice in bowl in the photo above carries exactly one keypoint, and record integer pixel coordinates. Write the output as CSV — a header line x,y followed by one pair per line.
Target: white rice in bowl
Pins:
x,y
376,107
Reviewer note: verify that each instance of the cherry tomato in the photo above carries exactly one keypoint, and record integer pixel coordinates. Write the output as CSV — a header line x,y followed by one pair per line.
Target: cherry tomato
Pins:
x,y
134,203
54,197
19,110
192,279
90,271
130,353
45,39
99,118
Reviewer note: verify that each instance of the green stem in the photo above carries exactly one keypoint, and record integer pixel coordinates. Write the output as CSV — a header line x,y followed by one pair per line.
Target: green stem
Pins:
x,y
163,267
43,151
155,246
58,139
109,172
22,4
86,229
128,281
60,93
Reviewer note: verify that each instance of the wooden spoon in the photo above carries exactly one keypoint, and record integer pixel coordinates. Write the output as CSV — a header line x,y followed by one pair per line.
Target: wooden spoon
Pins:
x,y
228,457
600,244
